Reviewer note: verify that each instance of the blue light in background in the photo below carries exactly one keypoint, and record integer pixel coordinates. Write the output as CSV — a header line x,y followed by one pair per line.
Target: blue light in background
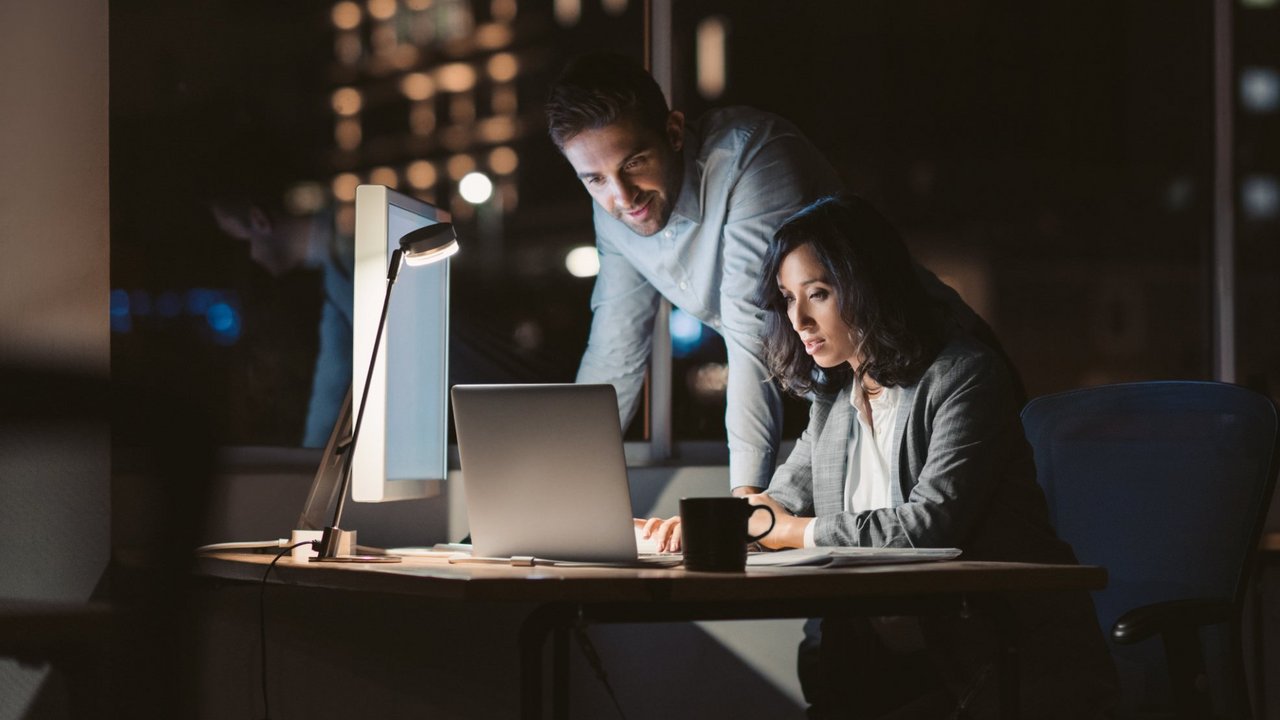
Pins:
x,y
225,323
199,300
686,333
121,321
168,304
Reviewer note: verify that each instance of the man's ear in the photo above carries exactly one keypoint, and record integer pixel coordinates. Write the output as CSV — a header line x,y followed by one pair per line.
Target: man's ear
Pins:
x,y
675,130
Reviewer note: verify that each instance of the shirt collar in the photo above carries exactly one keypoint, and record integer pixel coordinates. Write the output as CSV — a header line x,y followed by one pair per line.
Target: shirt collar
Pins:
x,y
689,202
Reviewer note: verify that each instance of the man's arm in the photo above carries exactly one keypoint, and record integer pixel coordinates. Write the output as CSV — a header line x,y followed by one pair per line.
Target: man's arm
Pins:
x,y
623,306
777,178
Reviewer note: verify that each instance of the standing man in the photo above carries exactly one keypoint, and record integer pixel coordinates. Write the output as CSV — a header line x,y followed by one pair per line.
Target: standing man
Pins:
x,y
685,211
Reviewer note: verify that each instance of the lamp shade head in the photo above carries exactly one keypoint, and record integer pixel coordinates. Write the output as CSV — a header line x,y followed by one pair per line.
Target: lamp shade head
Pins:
x,y
429,244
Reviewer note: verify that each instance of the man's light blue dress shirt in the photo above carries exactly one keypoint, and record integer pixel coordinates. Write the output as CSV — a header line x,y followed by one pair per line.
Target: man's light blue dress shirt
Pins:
x,y
745,171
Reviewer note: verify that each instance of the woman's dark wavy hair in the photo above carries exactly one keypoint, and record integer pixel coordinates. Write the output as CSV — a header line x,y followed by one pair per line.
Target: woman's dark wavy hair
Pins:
x,y
598,89
898,328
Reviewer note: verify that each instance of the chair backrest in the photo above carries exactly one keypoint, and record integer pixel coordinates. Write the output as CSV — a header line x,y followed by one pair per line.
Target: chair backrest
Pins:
x,y
1166,484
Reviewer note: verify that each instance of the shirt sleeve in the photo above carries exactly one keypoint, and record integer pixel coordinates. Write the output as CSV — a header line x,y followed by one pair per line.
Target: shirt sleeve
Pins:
x,y
623,306
778,177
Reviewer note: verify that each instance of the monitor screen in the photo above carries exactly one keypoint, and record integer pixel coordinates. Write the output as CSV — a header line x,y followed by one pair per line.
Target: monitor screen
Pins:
x,y
402,452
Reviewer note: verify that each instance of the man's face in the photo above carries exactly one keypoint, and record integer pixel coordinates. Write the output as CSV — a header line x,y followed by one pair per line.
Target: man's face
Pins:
x,y
631,172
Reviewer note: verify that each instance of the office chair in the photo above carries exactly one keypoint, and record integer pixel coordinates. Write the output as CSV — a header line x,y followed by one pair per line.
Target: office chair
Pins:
x,y
1167,485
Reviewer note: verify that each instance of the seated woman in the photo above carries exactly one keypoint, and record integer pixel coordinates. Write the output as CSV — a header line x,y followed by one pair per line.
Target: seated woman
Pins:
x,y
914,440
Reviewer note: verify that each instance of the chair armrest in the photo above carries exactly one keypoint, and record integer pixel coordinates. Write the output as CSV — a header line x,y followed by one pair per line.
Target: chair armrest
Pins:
x,y
1159,618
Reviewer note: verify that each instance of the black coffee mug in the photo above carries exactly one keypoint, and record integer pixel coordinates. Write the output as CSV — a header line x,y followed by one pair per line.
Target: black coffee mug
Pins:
x,y
714,531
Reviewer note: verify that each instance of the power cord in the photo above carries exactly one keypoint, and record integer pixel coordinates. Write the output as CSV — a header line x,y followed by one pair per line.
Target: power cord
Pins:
x,y
262,619
593,659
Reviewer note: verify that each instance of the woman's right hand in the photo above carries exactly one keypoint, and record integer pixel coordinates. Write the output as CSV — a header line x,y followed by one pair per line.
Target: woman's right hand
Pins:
x,y
665,533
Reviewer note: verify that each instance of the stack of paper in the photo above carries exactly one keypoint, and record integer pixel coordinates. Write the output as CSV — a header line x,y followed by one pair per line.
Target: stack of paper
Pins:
x,y
845,556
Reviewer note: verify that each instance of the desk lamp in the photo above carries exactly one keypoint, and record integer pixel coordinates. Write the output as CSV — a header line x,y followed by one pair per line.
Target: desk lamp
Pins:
x,y
423,246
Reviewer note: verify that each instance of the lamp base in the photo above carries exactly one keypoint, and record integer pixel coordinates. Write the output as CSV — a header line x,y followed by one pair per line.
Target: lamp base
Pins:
x,y
338,545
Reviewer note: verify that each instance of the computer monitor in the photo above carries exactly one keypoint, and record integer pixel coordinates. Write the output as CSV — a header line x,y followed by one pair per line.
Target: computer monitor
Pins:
x,y
403,448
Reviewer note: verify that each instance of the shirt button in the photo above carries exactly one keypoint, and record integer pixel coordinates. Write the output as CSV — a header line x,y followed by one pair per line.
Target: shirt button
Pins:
x,y
668,234
684,285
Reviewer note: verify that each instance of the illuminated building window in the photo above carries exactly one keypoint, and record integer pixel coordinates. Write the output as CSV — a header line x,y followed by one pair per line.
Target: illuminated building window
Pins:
x,y
1260,89
492,36
1260,197
422,118
304,198
346,15
382,9
347,133
503,10
384,176
496,129
417,86
346,101
459,165
503,160
568,12
503,100
455,77
421,175
712,46
614,7
503,67
344,187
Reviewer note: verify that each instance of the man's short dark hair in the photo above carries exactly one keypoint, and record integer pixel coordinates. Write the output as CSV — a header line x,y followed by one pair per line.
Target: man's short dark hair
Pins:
x,y
599,89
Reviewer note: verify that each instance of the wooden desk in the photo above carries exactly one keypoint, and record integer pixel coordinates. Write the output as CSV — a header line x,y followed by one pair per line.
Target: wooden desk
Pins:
x,y
566,596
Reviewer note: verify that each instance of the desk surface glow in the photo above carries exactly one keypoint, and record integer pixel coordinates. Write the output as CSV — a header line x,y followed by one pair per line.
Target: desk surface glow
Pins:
x,y
435,578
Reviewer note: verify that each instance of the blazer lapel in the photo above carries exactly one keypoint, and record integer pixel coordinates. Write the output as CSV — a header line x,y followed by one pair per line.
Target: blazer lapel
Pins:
x,y
906,400
830,457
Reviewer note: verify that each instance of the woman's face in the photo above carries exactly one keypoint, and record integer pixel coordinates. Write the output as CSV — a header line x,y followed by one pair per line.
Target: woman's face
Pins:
x,y
814,309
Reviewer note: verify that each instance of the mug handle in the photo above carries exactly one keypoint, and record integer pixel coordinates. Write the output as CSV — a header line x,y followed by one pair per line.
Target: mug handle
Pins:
x,y
772,521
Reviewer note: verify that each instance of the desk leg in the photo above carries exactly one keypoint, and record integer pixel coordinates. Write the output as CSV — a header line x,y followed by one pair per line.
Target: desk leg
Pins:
x,y
560,673
546,620
1008,665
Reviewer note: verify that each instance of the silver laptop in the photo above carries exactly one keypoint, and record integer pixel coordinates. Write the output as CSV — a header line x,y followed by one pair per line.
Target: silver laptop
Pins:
x,y
544,472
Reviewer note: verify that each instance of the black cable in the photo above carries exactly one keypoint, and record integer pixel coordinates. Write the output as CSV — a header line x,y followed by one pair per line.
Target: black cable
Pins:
x,y
262,620
593,658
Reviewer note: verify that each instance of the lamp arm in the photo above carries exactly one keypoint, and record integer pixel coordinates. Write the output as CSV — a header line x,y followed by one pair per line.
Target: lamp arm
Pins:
x,y
393,270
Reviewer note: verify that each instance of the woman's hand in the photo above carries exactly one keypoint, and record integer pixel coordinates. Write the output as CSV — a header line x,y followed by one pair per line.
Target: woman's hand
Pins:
x,y
665,533
788,530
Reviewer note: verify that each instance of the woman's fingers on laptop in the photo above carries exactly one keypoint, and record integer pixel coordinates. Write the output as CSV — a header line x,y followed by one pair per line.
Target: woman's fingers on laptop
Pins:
x,y
664,533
